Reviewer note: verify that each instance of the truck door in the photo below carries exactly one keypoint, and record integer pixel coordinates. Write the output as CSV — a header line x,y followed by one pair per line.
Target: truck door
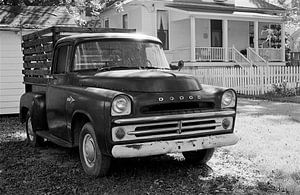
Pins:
x,y
57,93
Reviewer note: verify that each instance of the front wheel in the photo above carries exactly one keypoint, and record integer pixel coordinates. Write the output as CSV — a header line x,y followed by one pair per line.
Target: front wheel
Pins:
x,y
32,138
199,156
93,161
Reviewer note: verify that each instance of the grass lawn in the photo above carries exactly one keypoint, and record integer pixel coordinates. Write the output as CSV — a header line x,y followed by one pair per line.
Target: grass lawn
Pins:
x,y
270,139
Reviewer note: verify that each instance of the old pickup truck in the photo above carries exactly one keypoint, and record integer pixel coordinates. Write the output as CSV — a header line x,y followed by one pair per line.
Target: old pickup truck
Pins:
x,y
112,94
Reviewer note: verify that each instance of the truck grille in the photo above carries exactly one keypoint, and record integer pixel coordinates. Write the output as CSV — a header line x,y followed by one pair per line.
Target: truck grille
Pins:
x,y
172,128
176,107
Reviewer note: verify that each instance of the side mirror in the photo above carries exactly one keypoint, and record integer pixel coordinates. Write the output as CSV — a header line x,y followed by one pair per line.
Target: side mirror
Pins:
x,y
178,67
180,64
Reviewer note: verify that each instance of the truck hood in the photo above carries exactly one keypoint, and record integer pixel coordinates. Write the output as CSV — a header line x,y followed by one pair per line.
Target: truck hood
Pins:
x,y
141,81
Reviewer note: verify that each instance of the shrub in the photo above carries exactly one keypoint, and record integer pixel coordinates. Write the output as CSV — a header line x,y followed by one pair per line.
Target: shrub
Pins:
x,y
281,90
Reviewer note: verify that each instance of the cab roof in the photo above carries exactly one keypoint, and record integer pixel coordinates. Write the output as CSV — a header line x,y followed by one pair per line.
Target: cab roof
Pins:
x,y
101,36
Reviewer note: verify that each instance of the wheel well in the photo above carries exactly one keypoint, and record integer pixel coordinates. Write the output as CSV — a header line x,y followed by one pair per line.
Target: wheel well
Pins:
x,y
78,120
23,114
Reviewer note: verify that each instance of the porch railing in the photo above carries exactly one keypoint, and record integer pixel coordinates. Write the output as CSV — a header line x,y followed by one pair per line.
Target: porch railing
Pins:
x,y
270,54
210,54
255,58
239,58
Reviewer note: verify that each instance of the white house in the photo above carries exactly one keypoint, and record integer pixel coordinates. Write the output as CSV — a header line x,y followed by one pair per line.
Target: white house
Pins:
x,y
207,32
11,58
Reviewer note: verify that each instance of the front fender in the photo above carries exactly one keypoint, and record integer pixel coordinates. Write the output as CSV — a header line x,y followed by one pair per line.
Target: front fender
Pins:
x,y
94,103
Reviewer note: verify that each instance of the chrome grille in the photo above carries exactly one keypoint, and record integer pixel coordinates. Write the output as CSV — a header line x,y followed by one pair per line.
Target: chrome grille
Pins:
x,y
172,128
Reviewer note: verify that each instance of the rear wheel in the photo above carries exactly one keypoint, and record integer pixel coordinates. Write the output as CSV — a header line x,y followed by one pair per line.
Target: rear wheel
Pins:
x,y
32,138
200,156
93,161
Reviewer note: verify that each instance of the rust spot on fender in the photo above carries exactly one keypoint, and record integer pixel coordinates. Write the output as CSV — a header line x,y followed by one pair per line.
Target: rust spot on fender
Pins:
x,y
135,146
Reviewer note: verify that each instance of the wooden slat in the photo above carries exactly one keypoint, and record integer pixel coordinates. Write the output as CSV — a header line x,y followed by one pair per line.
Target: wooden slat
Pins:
x,y
39,49
35,80
39,57
37,34
91,30
37,42
40,72
37,65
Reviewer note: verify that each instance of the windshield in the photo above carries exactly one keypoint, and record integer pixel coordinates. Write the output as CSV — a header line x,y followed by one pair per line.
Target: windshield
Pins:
x,y
119,53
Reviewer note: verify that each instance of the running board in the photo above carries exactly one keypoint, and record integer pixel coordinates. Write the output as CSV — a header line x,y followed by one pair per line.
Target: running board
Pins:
x,y
54,139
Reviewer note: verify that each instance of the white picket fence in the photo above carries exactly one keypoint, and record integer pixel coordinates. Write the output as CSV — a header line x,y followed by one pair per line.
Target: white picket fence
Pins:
x,y
247,80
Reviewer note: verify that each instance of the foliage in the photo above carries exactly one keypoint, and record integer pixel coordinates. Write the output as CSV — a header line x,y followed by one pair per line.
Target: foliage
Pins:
x,y
31,2
292,14
281,90
79,9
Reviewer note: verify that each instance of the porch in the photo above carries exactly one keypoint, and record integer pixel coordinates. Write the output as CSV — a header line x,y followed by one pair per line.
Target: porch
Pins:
x,y
220,56
224,39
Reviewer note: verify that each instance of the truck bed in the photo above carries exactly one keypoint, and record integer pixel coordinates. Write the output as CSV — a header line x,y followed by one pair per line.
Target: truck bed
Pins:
x,y
38,50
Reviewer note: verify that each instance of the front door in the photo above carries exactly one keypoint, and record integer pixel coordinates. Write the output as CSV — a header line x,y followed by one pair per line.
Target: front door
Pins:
x,y
57,94
216,33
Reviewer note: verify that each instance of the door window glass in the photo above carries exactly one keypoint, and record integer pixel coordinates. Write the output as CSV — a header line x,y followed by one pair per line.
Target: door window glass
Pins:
x,y
63,59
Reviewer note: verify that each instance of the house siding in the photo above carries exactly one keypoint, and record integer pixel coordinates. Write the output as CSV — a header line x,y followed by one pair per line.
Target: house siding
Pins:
x,y
11,64
238,34
202,33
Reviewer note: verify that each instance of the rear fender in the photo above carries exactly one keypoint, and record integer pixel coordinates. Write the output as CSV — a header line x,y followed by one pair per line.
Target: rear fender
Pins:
x,y
35,103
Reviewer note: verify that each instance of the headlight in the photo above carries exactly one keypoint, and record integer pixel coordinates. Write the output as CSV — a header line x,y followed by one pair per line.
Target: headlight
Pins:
x,y
121,105
228,99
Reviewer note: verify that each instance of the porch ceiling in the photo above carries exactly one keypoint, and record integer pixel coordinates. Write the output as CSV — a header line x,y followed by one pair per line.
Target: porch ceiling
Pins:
x,y
237,16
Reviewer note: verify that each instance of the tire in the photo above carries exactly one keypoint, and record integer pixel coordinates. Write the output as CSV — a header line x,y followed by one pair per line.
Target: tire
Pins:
x,y
32,138
199,156
93,161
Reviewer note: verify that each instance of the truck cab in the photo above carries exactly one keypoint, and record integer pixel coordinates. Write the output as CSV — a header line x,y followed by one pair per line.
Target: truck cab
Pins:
x,y
113,95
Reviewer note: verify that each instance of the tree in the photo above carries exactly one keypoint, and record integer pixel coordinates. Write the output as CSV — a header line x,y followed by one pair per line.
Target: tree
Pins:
x,y
79,9
31,2
291,15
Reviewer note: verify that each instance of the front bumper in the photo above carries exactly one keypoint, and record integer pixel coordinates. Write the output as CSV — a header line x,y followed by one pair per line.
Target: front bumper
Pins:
x,y
173,146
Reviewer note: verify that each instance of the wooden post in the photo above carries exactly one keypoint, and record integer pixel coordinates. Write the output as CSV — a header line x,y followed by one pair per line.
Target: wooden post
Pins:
x,y
225,38
256,37
283,42
193,39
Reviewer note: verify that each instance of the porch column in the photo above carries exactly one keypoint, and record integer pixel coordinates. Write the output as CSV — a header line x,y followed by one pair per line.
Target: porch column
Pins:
x,y
256,36
283,42
193,39
225,39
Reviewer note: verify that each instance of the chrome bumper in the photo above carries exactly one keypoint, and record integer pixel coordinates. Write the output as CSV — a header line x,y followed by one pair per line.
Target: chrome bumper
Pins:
x,y
173,146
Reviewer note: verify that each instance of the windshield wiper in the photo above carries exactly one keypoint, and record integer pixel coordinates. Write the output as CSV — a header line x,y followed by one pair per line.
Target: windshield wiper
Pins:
x,y
108,68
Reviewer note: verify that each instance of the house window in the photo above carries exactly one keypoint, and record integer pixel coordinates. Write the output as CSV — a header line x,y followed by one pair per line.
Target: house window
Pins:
x,y
125,21
216,33
163,27
106,23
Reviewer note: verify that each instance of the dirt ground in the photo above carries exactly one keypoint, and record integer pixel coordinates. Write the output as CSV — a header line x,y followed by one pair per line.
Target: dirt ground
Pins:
x,y
265,161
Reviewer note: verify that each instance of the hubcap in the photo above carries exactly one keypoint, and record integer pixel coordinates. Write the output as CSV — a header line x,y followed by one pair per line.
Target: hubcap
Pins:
x,y
30,129
89,152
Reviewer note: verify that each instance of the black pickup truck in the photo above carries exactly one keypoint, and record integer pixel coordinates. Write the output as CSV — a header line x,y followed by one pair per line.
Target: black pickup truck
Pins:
x,y
113,95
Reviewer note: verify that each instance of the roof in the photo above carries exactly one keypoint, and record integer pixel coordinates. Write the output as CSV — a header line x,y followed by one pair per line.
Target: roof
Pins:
x,y
254,6
35,16
95,36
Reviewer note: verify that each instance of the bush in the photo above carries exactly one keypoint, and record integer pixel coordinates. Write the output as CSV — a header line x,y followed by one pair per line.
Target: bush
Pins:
x,y
281,90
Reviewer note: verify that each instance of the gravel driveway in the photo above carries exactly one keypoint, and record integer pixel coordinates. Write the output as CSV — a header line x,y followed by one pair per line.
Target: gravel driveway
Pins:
x,y
266,160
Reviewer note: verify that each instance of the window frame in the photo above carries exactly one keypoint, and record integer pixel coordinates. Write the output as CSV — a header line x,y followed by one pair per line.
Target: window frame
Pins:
x,y
106,20
55,58
168,30
123,21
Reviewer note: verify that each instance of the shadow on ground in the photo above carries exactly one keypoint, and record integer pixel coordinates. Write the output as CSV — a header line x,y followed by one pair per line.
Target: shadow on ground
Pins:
x,y
52,169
